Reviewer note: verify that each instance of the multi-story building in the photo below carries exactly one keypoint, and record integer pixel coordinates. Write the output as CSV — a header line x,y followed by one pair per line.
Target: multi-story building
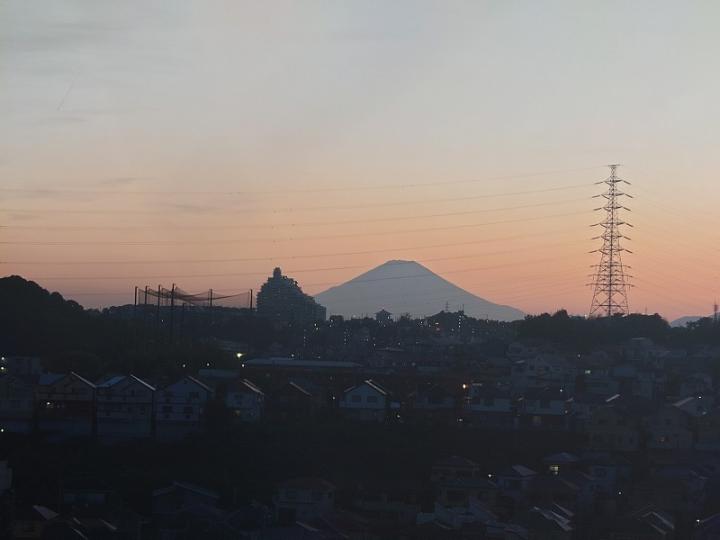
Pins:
x,y
366,401
16,405
65,405
180,408
245,401
124,408
281,299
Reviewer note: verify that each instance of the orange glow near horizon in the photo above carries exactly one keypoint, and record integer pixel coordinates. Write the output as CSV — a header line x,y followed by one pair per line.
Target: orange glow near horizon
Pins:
x,y
508,241
204,145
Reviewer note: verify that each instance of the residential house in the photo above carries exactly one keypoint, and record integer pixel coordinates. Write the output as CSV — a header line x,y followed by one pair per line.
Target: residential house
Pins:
x,y
491,405
542,371
546,408
35,522
561,462
575,490
292,401
16,405
669,429
244,400
366,401
649,384
549,522
125,408
645,524
460,484
180,408
707,528
696,384
303,499
609,470
454,467
616,426
599,382
65,405
582,407
708,430
435,402
183,510
514,481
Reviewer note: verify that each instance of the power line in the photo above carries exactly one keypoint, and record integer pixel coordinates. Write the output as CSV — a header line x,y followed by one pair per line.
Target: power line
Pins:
x,y
275,210
520,282
318,223
322,237
291,257
236,274
365,187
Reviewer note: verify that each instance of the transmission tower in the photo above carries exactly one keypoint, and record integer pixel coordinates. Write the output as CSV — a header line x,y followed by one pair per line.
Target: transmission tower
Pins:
x,y
610,285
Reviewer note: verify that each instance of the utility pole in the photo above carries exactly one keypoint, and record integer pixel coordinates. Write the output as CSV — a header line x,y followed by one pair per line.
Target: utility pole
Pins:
x,y
157,315
172,313
610,286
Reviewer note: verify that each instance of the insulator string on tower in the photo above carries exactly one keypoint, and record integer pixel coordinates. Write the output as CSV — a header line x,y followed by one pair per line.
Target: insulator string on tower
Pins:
x,y
610,285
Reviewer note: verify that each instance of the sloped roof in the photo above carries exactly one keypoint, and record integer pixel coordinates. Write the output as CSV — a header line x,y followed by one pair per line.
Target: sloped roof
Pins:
x,y
250,386
110,381
456,461
517,471
308,483
561,457
198,382
82,379
138,379
46,379
186,486
372,384
296,386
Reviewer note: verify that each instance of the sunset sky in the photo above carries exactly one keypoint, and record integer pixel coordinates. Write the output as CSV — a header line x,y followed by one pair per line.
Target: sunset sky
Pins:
x,y
205,142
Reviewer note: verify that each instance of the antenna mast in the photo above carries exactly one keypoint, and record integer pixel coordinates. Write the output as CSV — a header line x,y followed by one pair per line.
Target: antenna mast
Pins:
x,y
610,286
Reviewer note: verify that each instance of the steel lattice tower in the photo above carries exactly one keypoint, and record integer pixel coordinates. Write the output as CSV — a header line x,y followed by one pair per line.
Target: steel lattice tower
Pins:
x,y
610,285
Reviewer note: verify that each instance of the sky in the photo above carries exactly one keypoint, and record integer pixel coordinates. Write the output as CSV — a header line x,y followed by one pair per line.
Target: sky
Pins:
x,y
204,142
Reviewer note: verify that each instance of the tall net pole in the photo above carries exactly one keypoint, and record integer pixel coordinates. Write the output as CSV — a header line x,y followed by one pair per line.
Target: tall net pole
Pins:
x,y
610,284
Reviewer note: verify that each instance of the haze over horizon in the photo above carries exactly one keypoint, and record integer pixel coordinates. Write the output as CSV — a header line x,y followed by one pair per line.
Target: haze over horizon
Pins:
x,y
204,143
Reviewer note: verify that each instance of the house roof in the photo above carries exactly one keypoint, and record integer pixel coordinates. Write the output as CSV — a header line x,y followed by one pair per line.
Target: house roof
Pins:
x,y
604,459
295,363
308,483
198,382
250,386
477,482
456,461
480,391
434,389
138,379
296,386
556,519
517,471
561,457
112,381
376,386
188,487
372,384
82,379
545,393
46,379
45,512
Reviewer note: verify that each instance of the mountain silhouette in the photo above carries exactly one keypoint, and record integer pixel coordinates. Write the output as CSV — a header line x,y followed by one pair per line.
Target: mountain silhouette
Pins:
x,y
408,287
